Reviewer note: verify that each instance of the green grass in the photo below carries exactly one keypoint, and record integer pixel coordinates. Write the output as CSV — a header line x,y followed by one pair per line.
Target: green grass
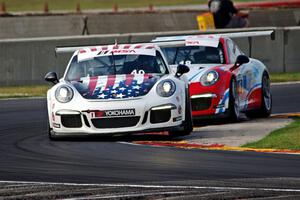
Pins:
x,y
284,138
284,77
38,5
23,91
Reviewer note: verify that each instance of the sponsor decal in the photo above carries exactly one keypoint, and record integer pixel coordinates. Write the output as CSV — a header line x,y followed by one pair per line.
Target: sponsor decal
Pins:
x,y
176,119
118,51
55,125
114,113
190,43
179,109
209,42
53,116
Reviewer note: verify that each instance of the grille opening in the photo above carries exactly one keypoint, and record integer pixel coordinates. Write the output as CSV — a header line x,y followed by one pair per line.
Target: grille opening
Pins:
x,y
71,121
145,117
86,121
115,122
160,116
201,103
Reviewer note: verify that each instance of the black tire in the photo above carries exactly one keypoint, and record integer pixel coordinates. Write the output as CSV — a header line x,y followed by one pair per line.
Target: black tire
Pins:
x,y
187,124
266,100
53,137
51,134
234,111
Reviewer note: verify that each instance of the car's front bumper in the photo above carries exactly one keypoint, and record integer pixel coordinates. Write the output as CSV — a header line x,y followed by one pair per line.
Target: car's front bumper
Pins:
x,y
84,119
208,101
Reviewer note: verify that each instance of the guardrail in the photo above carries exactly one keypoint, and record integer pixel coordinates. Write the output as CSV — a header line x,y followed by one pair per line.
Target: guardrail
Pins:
x,y
127,22
25,61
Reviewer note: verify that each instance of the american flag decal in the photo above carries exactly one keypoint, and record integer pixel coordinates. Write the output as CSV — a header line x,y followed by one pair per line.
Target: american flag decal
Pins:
x,y
117,86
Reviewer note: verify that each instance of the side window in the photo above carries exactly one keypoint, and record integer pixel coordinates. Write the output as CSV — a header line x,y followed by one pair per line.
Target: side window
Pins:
x,y
161,64
170,53
231,47
239,52
233,50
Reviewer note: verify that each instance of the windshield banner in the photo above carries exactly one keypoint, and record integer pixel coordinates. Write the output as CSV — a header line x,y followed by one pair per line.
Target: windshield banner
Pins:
x,y
202,41
87,55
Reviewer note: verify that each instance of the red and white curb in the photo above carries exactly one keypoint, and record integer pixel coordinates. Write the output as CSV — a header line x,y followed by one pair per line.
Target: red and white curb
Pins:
x,y
188,145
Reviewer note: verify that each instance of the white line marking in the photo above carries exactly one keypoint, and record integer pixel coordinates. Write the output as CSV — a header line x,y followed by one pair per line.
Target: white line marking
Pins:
x,y
129,143
156,186
125,195
22,98
286,83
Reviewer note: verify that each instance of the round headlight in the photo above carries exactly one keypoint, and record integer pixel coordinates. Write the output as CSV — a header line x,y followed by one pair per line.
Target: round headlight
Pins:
x,y
209,78
64,94
166,88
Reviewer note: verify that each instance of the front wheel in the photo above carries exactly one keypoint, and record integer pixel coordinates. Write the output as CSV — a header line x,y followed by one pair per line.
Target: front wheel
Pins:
x,y
266,100
187,124
234,103
52,135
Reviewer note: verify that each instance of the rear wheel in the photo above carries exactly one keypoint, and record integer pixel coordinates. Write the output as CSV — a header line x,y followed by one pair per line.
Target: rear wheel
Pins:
x,y
234,110
187,124
266,100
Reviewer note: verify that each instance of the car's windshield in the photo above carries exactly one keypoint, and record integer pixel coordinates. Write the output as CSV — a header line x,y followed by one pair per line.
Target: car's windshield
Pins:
x,y
114,65
194,55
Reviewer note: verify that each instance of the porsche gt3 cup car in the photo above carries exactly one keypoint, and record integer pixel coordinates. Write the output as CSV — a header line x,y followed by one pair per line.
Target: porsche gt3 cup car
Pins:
x,y
223,81
118,89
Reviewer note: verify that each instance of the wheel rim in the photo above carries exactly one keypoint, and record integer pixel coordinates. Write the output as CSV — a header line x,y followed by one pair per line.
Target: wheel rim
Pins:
x,y
236,99
266,92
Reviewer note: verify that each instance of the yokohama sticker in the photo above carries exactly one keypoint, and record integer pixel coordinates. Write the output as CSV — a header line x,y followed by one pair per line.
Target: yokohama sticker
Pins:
x,y
115,113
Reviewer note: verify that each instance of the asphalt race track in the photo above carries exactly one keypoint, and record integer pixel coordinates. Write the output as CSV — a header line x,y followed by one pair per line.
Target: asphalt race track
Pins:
x,y
26,154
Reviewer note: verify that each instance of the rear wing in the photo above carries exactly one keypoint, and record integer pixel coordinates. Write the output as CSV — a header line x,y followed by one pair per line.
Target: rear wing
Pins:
x,y
71,49
183,39
230,35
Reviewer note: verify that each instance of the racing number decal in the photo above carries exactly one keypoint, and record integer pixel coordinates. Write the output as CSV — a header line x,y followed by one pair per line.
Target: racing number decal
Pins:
x,y
187,62
240,84
138,72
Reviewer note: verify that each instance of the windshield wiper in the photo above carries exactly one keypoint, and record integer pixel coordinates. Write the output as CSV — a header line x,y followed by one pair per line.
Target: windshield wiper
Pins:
x,y
114,63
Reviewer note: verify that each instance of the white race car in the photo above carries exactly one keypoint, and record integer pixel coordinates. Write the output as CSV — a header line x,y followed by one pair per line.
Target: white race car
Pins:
x,y
118,89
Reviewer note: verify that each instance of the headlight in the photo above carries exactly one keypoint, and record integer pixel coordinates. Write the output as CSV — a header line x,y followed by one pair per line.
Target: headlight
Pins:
x,y
166,88
209,78
64,94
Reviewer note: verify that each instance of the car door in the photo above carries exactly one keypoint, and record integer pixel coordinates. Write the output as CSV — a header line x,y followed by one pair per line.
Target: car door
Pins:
x,y
244,75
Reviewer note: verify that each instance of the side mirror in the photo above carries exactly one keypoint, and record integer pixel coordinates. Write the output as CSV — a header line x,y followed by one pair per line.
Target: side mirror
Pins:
x,y
51,77
181,69
241,59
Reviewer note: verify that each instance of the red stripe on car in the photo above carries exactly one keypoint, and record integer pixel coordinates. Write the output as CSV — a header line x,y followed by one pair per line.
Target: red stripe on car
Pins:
x,y
126,46
138,46
129,78
92,84
110,81
93,49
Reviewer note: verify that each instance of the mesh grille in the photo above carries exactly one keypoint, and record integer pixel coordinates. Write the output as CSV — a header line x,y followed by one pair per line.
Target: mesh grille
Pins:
x,y
160,116
71,121
116,122
201,103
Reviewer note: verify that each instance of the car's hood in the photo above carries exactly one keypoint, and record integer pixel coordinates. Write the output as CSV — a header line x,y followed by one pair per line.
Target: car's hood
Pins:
x,y
197,70
115,86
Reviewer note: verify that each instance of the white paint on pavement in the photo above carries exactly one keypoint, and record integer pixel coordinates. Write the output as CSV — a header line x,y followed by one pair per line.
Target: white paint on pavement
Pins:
x,y
153,186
